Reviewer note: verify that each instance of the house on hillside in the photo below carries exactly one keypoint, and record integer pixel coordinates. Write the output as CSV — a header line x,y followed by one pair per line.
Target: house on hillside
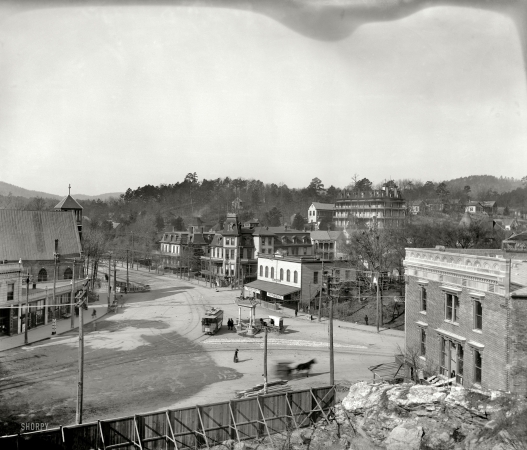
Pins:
x,y
487,207
327,245
320,212
417,207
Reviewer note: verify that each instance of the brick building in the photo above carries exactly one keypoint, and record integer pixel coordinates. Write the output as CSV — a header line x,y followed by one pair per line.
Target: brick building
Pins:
x,y
466,316
269,240
10,281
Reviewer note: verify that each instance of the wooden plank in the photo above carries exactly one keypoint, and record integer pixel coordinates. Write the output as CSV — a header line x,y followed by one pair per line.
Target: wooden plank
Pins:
x,y
169,426
318,404
291,410
234,422
202,427
140,444
265,423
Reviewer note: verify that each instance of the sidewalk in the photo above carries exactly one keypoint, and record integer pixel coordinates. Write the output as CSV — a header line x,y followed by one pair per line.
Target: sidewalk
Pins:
x,y
43,332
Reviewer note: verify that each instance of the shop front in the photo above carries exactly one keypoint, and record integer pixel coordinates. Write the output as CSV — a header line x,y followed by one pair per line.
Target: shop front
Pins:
x,y
276,294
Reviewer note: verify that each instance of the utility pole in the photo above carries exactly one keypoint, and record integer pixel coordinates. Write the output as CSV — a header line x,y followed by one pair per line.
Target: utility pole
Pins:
x,y
109,278
114,280
54,309
132,233
210,266
80,381
265,361
320,296
27,309
331,355
378,304
127,279
72,312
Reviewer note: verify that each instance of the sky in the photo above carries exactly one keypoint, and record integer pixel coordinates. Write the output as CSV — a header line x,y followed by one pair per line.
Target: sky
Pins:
x,y
112,97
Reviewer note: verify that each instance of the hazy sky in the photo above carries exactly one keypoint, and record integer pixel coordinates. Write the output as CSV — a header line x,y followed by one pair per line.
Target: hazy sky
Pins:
x,y
107,98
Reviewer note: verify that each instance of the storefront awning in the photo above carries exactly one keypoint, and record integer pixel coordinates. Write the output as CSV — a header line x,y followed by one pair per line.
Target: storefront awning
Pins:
x,y
281,290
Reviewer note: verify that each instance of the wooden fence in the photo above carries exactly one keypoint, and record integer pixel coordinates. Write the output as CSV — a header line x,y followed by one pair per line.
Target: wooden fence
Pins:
x,y
192,427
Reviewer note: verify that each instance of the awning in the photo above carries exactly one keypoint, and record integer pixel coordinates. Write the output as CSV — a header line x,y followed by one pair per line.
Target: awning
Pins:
x,y
279,290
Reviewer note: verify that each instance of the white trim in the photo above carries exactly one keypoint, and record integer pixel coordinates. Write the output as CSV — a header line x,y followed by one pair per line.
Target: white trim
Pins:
x,y
477,295
422,282
421,324
448,334
453,289
476,345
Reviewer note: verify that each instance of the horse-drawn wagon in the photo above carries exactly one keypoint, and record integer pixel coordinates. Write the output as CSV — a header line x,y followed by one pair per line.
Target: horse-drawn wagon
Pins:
x,y
273,323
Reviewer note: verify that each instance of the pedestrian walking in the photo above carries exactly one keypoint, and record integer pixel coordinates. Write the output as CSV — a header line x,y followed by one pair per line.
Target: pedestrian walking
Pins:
x,y
366,319
236,356
296,312
228,324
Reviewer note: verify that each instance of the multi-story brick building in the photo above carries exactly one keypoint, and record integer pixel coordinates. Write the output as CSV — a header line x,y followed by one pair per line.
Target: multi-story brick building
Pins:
x,y
466,316
385,207
269,240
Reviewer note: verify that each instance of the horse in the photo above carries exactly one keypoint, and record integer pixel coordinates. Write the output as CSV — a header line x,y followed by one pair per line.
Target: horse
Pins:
x,y
305,367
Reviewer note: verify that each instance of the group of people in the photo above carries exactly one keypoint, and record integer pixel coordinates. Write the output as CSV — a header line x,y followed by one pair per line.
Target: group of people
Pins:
x,y
230,324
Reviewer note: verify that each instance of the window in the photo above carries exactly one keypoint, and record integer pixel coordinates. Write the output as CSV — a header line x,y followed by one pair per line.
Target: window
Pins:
x,y
263,241
295,277
288,278
478,315
460,356
452,307
423,298
272,272
68,274
261,271
478,360
42,275
423,342
281,274
315,277
233,254
267,272
443,363
452,360
11,291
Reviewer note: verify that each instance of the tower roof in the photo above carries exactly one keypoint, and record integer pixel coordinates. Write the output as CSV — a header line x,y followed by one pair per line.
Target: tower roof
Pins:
x,y
68,202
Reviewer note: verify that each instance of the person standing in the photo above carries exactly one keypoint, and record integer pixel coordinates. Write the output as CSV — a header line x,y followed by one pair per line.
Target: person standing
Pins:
x,y
236,356
366,319
296,312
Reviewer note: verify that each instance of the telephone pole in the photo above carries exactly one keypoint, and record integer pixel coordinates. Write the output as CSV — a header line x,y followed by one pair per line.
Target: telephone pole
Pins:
x,y
265,361
72,312
127,279
114,280
331,355
27,309
320,296
378,304
109,278
80,381
54,309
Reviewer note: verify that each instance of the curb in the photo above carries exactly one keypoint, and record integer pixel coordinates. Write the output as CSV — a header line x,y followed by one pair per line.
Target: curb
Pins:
x,y
382,330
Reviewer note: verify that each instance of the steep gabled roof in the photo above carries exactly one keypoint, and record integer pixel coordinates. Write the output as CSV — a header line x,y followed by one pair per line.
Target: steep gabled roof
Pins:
x,y
68,202
30,235
324,206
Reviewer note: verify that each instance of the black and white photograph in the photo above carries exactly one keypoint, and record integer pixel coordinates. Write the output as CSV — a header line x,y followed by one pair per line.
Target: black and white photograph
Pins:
x,y
263,224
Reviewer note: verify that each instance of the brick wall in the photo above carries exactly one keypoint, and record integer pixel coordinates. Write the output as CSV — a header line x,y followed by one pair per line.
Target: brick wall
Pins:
x,y
518,338
493,335
309,288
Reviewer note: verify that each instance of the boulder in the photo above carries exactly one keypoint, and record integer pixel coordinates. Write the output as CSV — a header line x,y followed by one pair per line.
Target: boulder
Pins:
x,y
403,438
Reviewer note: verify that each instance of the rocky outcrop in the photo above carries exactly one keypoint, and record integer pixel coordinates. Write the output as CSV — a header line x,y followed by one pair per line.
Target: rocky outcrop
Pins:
x,y
408,417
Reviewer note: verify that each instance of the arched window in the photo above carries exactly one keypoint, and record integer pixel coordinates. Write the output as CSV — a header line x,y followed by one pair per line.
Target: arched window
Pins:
x,y
295,277
68,274
288,275
267,272
261,271
42,275
281,274
272,272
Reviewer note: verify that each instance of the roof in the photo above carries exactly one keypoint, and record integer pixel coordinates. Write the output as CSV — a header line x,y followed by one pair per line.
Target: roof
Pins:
x,y
416,202
518,237
30,235
321,235
326,206
275,288
68,202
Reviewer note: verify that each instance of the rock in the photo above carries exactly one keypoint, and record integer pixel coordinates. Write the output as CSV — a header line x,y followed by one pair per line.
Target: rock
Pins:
x,y
491,424
402,438
296,437
240,446
229,443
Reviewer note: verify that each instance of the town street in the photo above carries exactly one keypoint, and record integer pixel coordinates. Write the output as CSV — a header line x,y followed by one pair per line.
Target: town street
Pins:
x,y
151,354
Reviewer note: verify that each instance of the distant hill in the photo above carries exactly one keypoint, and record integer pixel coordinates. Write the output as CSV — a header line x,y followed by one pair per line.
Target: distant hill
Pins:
x,y
484,182
6,188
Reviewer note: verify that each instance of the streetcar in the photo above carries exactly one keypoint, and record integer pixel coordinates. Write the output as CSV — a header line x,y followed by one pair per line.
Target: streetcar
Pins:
x,y
212,321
